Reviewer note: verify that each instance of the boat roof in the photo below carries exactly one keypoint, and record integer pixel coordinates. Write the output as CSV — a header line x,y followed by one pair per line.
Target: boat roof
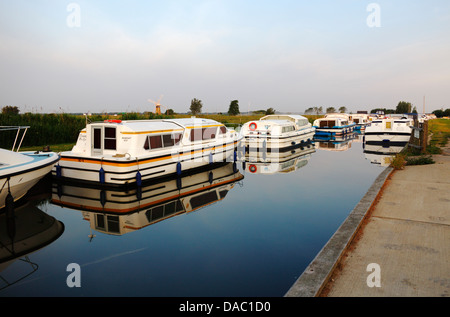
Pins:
x,y
282,118
162,125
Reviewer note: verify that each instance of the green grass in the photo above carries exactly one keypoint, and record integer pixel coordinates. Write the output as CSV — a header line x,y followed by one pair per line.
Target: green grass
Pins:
x,y
440,134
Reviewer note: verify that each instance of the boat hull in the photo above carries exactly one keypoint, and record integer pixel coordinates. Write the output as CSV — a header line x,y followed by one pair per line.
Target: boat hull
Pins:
x,y
281,143
125,171
17,180
337,131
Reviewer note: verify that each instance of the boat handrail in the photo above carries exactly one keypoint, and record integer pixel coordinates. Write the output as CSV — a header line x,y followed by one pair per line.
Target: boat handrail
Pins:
x,y
18,128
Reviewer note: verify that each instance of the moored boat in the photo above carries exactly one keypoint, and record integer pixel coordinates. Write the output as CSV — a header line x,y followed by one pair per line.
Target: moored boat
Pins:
x,y
279,132
389,131
361,120
118,153
334,124
20,171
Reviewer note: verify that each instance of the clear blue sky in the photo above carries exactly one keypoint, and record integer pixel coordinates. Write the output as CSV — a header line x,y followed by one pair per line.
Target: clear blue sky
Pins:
x,y
289,55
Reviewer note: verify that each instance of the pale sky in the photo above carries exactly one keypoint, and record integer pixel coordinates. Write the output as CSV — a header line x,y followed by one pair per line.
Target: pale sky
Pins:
x,y
286,54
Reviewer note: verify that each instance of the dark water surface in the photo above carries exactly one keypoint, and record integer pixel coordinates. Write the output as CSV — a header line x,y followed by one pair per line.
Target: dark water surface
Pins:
x,y
254,237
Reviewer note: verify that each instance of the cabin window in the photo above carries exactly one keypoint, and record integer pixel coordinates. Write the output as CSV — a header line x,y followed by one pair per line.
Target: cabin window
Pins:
x,y
97,138
222,130
325,123
204,199
162,211
110,138
160,141
107,223
203,134
167,140
287,129
153,142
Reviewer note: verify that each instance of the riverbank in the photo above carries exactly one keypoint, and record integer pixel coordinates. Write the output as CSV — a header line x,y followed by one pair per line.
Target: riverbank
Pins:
x,y
399,233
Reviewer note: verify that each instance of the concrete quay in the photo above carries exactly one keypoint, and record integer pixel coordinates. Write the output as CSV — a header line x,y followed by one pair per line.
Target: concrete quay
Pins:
x,y
395,243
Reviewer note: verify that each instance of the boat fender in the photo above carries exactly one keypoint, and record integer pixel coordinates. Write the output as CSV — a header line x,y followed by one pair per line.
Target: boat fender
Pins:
x,y
252,168
103,198
235,169
235,156
179,183
139,193
179,168
210,177
252,126
59,190
138,178
101,174
58,171
10,221
210,158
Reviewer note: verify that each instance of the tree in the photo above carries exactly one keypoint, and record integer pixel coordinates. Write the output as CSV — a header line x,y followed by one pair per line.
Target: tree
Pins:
x,y
331,110
317,110
233,110
342,109
438,113
309,110
10,110
403,107
270,111
196,106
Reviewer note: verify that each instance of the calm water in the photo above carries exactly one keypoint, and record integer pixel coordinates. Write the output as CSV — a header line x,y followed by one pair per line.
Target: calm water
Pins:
x,y
254,236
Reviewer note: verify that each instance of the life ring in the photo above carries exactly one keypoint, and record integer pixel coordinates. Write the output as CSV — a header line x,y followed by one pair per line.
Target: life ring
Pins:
x,y
252,126
252,168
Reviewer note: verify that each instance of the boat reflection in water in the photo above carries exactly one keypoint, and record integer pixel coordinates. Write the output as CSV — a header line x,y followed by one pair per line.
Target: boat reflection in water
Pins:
x,y
336,143
273,161
25,230
382,154
119,212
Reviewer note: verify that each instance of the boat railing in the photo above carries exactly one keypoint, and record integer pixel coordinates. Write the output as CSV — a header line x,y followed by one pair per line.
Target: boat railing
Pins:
x,y
18,128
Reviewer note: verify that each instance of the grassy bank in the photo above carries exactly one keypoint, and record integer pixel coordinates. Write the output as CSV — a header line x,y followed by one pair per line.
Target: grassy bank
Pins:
x,y
439,133
439,130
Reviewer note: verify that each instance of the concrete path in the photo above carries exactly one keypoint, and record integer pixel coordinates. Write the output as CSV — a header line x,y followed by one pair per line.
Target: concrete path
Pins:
x,y
400,249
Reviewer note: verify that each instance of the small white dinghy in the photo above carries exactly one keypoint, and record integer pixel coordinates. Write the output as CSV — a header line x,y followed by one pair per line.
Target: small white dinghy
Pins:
x,y
19,171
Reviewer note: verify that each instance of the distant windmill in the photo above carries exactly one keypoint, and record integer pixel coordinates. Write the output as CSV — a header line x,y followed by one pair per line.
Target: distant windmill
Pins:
x,y
157,105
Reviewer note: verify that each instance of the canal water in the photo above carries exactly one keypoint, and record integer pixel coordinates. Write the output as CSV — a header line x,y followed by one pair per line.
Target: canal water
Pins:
x,y
245,233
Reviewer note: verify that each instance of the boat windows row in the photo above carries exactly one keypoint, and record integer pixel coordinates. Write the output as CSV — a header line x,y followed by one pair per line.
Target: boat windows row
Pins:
x,y
167,140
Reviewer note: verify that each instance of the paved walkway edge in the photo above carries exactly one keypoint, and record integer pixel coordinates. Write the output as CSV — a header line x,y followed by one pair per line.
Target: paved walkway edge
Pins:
x,y
316,275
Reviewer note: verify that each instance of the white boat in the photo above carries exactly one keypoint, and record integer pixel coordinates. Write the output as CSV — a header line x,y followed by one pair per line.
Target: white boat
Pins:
x,y
334,124
117,212
277,131
117,153
361,120
19,171
389,131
